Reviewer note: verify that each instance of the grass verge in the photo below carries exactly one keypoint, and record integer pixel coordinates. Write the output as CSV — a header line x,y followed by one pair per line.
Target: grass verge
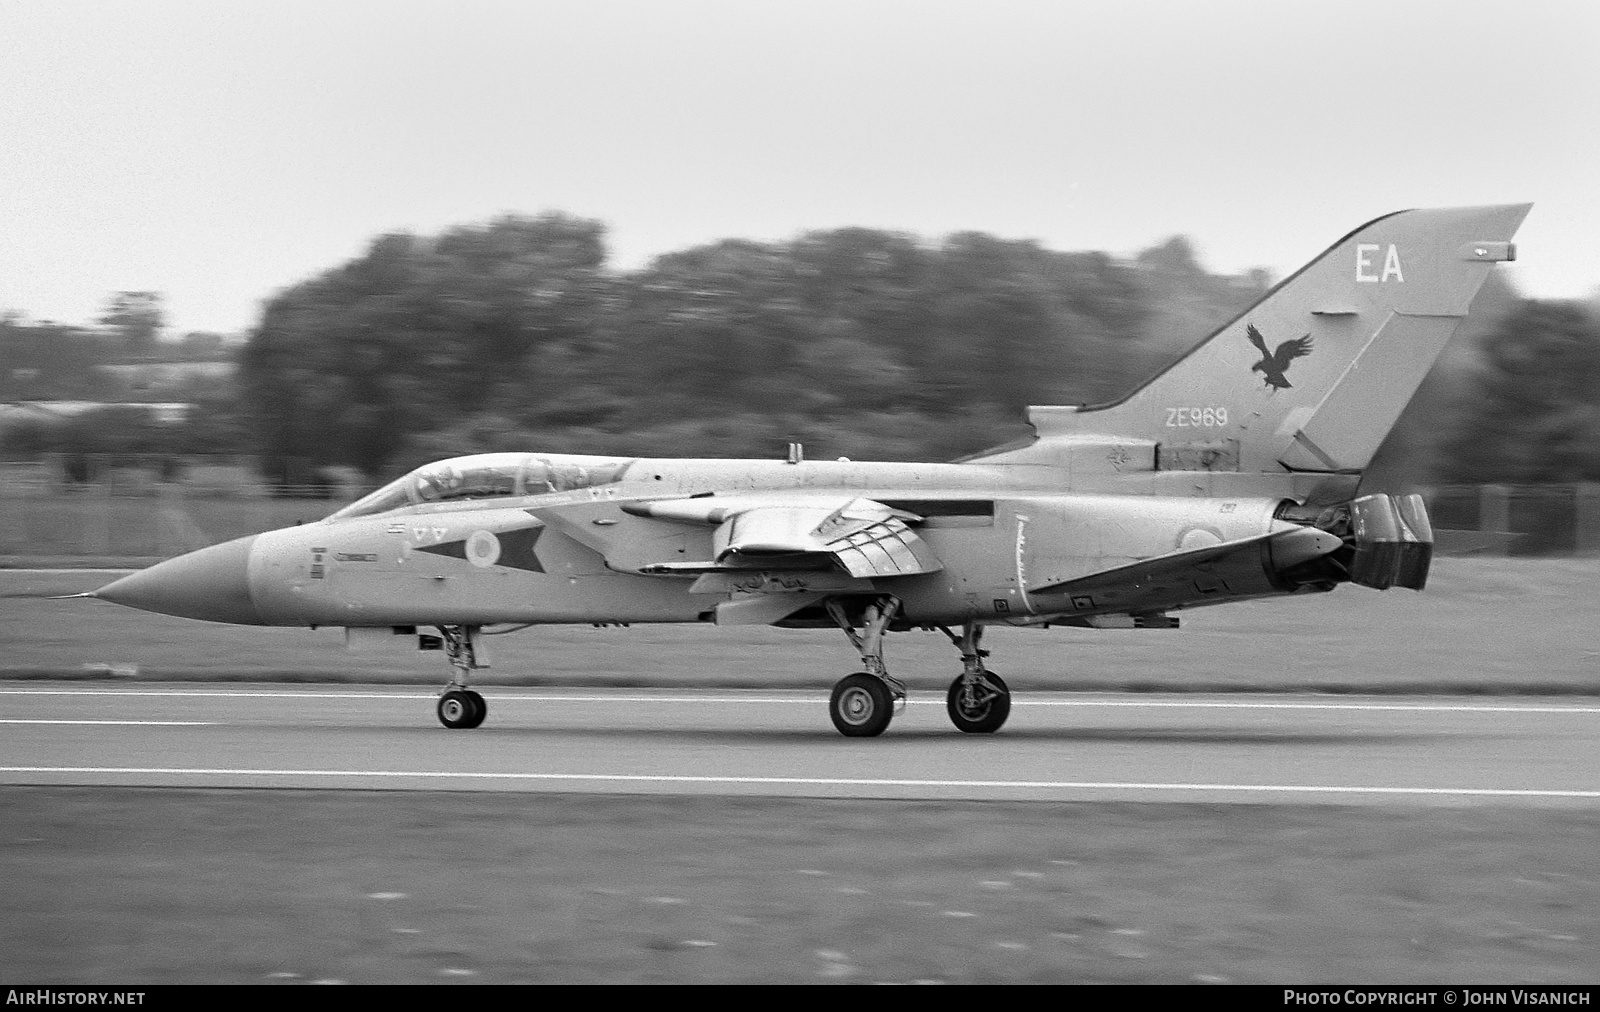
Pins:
x,y
146,885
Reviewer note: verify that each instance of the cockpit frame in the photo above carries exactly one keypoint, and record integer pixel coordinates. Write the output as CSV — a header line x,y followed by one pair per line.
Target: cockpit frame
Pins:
x,y
484,476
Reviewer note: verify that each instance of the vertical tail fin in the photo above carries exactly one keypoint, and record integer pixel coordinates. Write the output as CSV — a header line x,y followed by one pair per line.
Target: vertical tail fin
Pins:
x,y
1311,377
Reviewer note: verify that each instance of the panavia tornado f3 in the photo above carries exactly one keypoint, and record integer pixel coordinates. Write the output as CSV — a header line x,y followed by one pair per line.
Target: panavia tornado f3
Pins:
x,y
1232,474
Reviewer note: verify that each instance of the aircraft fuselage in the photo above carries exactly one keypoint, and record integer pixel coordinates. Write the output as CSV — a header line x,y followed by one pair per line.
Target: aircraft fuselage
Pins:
x,y
480,562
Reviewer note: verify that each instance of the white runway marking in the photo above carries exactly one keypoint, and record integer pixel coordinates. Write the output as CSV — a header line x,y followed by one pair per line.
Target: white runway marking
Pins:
x,y
66,572
1200,704
142,723
1481,792
231,695
820,695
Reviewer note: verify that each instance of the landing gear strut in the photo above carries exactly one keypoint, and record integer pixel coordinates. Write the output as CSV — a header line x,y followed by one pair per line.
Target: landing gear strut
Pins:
x,y
863,703
978,701
459,706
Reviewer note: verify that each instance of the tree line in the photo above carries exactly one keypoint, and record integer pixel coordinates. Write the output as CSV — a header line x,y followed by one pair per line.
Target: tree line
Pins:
x,y
516,334
858,342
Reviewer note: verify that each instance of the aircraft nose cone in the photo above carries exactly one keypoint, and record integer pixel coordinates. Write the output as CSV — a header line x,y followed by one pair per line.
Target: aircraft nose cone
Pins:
x,y
211,584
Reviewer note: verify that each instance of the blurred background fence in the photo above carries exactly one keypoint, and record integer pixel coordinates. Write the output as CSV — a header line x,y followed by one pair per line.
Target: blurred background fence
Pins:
x,y
124,508
1554,519
130,509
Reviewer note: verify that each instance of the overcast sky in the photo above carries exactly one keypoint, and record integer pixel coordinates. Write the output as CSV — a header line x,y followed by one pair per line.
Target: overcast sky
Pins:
x,y
217,152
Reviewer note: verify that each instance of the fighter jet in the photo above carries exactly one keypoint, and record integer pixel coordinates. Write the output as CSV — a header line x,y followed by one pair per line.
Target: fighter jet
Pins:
x,y
1204,485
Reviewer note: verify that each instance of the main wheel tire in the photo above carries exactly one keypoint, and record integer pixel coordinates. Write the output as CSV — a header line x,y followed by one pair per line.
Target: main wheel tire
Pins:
x,y
458,710
975,716
480,709
861,705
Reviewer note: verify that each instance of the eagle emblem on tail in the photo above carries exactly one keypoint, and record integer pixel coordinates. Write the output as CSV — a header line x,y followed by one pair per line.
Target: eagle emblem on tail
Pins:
x,y
1274,364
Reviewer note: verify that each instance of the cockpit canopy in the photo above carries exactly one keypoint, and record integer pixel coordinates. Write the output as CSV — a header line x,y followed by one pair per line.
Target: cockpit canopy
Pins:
x,y
489,476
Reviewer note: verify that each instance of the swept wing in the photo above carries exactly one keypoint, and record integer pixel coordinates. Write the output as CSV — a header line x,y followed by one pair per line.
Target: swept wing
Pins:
x,y
860,537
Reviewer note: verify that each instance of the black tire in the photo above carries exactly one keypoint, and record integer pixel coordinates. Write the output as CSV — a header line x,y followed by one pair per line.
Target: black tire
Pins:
x,y
480,708
458,710
861,706
984,717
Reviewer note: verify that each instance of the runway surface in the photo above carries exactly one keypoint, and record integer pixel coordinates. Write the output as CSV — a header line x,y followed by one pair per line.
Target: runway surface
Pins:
x,y
1063,746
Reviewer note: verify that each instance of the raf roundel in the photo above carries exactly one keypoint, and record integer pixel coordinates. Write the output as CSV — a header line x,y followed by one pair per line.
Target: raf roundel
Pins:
x,y
483,549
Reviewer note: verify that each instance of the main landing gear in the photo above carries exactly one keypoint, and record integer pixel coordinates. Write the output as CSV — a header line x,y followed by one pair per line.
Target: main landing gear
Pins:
x,y
862,704
978,701
459,706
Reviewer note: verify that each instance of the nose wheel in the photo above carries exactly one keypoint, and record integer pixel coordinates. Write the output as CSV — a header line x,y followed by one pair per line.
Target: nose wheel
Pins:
x,y
459,706
462,708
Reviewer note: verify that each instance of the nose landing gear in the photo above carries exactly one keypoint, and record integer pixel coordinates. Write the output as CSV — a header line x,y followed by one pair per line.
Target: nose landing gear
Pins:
x,y
462,708
459,706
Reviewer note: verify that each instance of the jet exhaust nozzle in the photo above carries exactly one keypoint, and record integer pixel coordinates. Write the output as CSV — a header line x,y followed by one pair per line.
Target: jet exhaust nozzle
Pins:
x,y
1393,541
